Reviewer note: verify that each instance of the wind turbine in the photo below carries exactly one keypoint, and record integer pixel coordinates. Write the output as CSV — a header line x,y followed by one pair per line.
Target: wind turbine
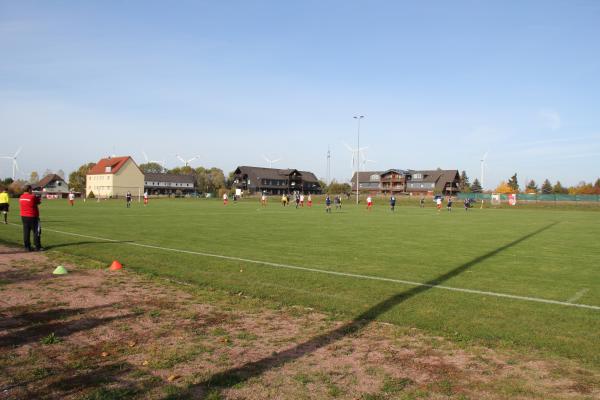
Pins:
x,y
365,160
355,154
159,162
186,162
271,162
15,165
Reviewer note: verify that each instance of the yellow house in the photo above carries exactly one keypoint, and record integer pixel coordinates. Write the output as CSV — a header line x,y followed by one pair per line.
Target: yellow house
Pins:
x,y
114,177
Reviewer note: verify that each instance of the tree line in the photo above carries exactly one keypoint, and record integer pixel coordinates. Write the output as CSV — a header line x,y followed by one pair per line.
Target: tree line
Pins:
x,y
511,185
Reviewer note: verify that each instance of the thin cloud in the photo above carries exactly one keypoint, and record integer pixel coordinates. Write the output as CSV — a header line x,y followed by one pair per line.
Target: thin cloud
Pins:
x,y
550,119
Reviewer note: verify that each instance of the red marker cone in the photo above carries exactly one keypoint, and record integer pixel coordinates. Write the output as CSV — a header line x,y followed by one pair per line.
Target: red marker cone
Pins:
x,y
115,266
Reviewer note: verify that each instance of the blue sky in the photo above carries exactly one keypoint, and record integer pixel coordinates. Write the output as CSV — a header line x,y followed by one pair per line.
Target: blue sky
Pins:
x,y
440,83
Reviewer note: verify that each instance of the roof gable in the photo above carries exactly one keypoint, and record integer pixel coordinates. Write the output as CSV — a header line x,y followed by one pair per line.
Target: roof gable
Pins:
x,y
48,179
110,165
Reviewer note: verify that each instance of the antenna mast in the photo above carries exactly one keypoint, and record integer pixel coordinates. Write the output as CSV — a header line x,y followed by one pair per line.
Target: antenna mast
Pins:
x,y
328,165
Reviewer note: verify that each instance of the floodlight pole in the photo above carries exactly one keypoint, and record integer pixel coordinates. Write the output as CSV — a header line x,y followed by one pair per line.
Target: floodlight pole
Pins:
x,y
357,118
482,163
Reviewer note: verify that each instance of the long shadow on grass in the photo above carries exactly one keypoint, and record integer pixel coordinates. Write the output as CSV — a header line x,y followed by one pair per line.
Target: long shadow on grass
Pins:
x,y
69,244
35,333
39,317
231,377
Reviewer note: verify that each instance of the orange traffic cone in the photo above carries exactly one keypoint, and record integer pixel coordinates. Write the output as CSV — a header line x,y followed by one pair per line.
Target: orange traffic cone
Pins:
x,y
115,266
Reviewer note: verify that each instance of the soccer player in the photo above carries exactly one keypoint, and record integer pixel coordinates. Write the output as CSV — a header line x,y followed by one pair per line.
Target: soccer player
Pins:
x,y
284,200
467,204
449,204
263,199
328,204
302,200
224,199
297,200
422,202
71,198
4,204
309,201
146,198
30,215
128,199
392,202
369,202
438,202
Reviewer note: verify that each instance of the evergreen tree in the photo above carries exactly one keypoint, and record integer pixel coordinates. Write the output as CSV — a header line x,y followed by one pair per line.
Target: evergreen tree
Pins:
x,y
476,186
597,183
559,189
532,186
465,186
547,187
513,183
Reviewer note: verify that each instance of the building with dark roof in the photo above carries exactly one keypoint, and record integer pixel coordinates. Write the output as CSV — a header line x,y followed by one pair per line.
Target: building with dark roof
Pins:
x,y
368,181
275,181
51,185
399,181
446,182
167,184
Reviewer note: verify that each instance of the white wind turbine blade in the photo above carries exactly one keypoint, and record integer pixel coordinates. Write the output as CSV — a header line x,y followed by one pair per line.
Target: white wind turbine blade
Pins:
x,y
274,161
17,153
145,156
348,147
266,159
15,168
180,159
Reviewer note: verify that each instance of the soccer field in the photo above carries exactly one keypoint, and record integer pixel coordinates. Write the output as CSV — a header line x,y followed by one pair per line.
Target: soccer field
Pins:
x,y
503,277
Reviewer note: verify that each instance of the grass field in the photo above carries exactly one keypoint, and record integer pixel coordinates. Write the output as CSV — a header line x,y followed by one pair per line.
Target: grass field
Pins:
x,y
537,253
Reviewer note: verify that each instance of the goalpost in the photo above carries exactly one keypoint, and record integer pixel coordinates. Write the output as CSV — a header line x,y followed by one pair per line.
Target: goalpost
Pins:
x,y
117,192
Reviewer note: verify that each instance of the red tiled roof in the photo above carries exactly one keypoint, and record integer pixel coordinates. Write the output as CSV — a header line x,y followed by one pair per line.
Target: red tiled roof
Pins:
x,y
115,163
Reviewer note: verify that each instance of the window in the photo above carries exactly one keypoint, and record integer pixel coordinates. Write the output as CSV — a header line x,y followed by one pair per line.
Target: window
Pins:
x,y
418,176
374,177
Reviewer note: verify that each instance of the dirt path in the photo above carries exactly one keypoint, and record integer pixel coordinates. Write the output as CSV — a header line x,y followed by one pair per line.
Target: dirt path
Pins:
x,y
97,334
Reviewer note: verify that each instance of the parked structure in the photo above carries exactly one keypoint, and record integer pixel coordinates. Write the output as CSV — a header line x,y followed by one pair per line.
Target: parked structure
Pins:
x,y
169,184
114,177
275,181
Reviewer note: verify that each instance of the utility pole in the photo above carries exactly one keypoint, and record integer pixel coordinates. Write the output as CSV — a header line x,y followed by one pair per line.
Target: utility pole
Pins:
x,y
357,118
328,165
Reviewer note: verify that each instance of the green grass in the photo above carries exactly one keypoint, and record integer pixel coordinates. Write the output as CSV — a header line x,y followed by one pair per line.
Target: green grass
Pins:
x,y
544,253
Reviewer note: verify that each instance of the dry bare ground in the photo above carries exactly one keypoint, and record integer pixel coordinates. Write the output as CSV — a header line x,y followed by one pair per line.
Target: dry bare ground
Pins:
x,y
95,334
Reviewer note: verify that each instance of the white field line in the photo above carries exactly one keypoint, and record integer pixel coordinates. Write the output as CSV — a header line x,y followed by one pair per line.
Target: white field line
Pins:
x,y
345,274
578,295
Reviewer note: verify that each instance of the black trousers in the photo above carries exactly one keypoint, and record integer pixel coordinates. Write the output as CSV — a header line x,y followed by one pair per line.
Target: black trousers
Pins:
x,y
31,224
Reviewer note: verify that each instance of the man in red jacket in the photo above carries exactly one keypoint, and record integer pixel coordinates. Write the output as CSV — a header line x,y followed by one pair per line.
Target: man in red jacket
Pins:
x,y
30,215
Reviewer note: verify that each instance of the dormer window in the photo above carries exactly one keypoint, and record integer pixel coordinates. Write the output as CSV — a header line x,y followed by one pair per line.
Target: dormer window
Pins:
x,y
374,178
107,169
